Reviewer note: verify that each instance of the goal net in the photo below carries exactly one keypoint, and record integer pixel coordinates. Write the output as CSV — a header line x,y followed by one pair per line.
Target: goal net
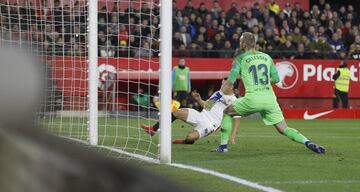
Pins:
x,y
111,85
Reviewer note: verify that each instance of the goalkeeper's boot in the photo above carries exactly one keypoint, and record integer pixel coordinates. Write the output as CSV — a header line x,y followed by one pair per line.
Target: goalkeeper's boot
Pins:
x,y
315,147
220,149
148,129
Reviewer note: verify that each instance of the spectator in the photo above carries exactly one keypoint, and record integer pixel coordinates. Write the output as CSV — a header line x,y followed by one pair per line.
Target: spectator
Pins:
x,y
60,48
200,41
296,35
107,50
144,51
222,18
282,36
251,22
355,52
327,11
255,11
211,31
235,40
202,11
230,27
337,20
177,40
182,52
123,49
315,12
194,50
185,36
312,33
210,52
262,44
227,51
273,7
298,10
330,28
178,19
189,8
287,10
288,50
320,47
232,11
218,43
337,43
342,13
216,9
123,34
321,5
189,27
301,53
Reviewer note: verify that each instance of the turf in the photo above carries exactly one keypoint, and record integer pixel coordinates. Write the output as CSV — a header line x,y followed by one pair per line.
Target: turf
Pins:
x,y
259,155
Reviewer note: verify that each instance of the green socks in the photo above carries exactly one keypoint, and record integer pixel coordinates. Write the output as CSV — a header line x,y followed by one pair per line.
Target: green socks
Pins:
x,y
295,135
226,127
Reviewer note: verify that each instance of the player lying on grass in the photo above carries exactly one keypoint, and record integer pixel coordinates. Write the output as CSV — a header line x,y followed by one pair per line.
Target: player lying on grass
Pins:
x,y
258,72
205,122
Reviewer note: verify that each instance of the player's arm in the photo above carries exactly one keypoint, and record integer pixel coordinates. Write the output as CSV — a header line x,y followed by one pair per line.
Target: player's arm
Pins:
x,y
274,76
197,98
236,124
226,88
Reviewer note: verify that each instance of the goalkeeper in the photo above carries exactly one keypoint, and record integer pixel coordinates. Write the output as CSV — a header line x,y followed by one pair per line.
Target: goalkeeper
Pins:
x,y
258,72
204,122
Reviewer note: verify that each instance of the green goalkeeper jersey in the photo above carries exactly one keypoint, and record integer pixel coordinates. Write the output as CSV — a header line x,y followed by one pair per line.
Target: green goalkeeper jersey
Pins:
x,y
257,71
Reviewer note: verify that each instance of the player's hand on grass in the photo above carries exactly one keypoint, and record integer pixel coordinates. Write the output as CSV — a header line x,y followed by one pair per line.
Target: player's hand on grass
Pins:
x,y
232,140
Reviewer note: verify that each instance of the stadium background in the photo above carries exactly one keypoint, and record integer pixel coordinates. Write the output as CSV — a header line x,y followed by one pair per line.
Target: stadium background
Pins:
x,y
259,153
213,42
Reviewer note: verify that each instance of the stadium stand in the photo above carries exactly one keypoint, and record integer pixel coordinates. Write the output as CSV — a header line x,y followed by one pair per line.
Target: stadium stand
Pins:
x,y
323,32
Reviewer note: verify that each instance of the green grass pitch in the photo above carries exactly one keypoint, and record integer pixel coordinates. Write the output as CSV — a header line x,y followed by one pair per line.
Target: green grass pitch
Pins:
x,y
260,155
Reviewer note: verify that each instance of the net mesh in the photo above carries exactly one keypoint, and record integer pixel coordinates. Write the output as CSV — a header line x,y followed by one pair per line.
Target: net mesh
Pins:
x,y
128,47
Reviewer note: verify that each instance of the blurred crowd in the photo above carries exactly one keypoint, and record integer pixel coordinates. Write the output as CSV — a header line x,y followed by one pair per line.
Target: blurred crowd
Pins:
x,y
324,32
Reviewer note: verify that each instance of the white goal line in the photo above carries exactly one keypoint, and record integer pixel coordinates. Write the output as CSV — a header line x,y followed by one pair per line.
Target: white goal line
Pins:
x,y
189,167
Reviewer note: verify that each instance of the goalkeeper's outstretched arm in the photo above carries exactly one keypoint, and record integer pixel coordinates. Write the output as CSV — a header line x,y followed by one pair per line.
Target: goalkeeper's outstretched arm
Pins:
x,y
227,86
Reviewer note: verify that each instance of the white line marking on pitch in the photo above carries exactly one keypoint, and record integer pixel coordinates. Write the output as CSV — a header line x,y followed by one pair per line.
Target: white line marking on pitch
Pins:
x,y
193,168
311,182
226,177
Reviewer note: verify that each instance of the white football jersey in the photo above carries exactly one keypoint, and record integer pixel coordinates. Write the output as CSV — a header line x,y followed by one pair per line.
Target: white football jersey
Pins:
x,y
215,113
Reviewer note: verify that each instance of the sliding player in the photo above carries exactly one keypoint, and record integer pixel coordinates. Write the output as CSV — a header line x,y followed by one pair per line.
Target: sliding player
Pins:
x,y
258,72
205,122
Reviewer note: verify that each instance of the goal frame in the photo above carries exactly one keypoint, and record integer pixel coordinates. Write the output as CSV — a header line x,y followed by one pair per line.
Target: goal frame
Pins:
x,y
164,76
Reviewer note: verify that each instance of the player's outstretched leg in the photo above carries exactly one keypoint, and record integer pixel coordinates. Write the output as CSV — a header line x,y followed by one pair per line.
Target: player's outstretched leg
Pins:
x,y
190,138
177,114
296,136
224,136
226,127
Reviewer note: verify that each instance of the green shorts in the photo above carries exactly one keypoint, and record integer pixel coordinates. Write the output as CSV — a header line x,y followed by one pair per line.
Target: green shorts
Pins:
x,y
268,108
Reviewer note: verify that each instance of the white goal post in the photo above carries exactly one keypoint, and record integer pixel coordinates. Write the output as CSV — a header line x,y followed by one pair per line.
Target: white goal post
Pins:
x,y
164,78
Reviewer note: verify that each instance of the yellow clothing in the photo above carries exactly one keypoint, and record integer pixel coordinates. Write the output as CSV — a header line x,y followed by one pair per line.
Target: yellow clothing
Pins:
x,y
274,8
342,83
